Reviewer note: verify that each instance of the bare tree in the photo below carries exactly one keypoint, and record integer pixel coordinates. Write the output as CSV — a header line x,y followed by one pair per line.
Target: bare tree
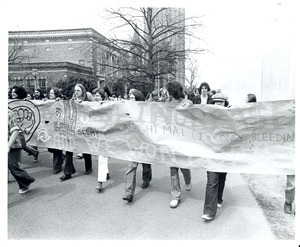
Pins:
x,y
192,73
153,51
16,51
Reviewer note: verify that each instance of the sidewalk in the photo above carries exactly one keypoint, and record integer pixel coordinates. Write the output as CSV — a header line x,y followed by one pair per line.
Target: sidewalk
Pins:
x,y
74,210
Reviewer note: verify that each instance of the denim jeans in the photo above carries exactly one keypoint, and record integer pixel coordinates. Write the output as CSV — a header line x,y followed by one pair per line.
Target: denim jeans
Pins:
x,y
290,189
69,166
214,192
130,179
57,158
175,182
22,177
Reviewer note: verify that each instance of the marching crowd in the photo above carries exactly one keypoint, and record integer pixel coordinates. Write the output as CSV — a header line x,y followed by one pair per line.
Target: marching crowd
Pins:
x,y
171,92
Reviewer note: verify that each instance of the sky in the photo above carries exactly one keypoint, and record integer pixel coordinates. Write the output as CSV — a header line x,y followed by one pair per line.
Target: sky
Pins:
x,y
232,29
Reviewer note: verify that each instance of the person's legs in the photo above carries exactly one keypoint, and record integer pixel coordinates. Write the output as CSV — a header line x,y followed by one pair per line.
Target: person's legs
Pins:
x,y
289,193
211,194
147,175
69,166
222,179
130,178
175,183
87,163
22,177
57,159
102,168
187,178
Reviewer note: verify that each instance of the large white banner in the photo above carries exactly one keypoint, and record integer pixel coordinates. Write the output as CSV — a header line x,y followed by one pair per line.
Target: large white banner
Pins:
x,y
251,138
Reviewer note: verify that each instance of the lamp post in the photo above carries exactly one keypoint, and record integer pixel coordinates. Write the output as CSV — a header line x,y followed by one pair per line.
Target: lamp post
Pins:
x,y
35,74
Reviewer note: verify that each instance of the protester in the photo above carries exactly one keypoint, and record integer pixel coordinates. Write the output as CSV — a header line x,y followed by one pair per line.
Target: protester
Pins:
x,y
80,94
98,94
55,94
18,92
106,92
103,172
14,156
215,180
204,96
250,98
130,180
175,94
29,96
38,94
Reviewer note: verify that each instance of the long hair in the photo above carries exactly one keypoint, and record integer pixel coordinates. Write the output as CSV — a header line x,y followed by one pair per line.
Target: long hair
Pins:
x,y
56,91
175,90
138,95
251,97
204,84
20,91
83,91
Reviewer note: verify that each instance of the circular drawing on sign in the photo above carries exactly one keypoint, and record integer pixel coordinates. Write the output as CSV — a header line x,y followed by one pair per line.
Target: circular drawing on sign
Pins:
x,y
27,116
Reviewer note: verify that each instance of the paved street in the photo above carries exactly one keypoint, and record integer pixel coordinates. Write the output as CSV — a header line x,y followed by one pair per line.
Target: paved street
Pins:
x,y
74,210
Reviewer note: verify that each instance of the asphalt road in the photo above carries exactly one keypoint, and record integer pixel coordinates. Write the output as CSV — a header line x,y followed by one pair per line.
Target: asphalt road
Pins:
x,y
73,209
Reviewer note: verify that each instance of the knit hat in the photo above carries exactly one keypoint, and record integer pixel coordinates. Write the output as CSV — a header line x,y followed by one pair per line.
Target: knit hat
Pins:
x,y
218,96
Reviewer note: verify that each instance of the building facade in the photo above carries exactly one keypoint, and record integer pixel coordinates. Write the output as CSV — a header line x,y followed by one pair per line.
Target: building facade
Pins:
x,y
176,18
48,56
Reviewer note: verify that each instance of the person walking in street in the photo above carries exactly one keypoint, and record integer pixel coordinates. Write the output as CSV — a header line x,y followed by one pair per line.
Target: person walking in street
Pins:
x,y
80,94
55,94
215,180
175,94
18,92
103,172
14,156
130,180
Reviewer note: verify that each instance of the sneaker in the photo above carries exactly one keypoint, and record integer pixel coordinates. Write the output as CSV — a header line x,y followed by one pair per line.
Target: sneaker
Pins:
x,y
79,156
219,205
24,190
174,203
99,186
36,156
288,208
207,217
188,187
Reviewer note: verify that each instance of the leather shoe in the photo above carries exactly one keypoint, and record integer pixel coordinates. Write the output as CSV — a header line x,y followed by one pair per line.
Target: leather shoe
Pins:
x,y
56,171
88,172
65,177
145,185
107,176
128,198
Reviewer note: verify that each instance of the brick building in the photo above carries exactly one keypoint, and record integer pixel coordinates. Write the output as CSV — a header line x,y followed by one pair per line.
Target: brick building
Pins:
x,y
48,56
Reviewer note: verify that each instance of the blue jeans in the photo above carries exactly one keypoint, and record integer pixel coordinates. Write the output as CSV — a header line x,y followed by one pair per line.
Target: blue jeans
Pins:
x,y
130,179
22,177
214,192
175,182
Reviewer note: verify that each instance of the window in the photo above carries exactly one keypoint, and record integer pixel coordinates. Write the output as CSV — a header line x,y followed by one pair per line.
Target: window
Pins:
x,y
25,42
47,40
70,40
